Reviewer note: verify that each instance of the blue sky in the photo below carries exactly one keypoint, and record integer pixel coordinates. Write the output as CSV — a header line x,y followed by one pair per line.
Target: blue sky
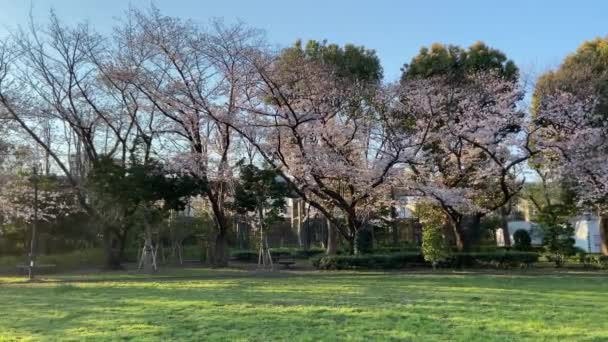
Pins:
x,y
536,34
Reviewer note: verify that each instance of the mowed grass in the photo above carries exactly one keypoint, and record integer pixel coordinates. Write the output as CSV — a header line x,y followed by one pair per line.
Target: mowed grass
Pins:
x,y
198,304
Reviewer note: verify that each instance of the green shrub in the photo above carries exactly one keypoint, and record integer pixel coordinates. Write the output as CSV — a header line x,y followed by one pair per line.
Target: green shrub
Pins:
x,y
244,255
522,240
368,261
396,249
247,255
85,258
500,259
364,240
434,246
593,260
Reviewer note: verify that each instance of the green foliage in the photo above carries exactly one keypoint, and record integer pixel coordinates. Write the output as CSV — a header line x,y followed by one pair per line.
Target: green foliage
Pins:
x,y
131,186
455,62
593,260
587,67
434,246
522,240
493,259
86,258
364,240
260,191
244,255
498,259
298,253
558,232
368,261
350,61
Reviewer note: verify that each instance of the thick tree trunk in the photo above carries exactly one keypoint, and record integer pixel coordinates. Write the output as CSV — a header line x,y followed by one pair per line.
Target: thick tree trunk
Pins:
x,y
332,239
458,236
467,232
111,259
603,233
221,251
351,246
353,227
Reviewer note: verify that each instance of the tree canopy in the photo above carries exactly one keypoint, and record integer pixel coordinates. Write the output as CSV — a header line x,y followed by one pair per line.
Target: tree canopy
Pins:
x,y
350,61
455,61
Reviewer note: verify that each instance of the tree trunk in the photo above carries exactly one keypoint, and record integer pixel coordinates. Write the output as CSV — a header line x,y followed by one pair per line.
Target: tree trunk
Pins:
x,y
458,236
297,219
221,251
332,239
603,228
394,226
467,232
111,260
351,245
148,257
504,225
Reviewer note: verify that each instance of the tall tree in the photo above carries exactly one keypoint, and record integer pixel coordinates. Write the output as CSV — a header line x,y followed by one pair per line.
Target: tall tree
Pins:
x,y
571,106
195,79
145,190
261,192
477,137
52,82
328,136
470,96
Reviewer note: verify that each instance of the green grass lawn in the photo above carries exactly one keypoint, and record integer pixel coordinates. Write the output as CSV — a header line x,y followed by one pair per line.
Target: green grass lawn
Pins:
x,y
197,304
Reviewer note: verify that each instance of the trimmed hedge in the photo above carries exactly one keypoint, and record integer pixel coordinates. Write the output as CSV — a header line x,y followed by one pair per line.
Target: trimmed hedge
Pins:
x,y
298,253
501,259
396,249
247,255
368,261
244,255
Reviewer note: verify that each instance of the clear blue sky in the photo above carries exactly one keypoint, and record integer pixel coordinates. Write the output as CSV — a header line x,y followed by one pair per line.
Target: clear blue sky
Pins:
x,y
536,34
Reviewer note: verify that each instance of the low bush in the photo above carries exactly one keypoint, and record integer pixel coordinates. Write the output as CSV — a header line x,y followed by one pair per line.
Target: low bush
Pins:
x,y
298,253
500,259
244,255
368,261
593,260
522,240
85,258
247,255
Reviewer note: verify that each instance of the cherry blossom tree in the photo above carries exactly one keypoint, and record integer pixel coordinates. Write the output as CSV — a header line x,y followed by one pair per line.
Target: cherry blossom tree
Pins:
x,y
330,137
571,106
574,139
477,139
54,86
195,78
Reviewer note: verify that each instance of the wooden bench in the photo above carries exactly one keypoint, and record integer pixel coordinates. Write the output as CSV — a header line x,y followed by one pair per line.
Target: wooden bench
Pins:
x,y
287,263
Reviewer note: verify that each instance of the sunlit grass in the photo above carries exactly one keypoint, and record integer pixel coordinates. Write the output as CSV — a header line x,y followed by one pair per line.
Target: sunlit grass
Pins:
x,y
197,304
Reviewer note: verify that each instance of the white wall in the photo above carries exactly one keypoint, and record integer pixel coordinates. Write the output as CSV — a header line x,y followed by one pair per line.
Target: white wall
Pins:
x,y
517,225
587,233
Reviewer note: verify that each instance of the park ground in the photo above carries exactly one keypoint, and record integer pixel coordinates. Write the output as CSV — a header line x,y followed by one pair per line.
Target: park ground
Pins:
x,y
203,304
